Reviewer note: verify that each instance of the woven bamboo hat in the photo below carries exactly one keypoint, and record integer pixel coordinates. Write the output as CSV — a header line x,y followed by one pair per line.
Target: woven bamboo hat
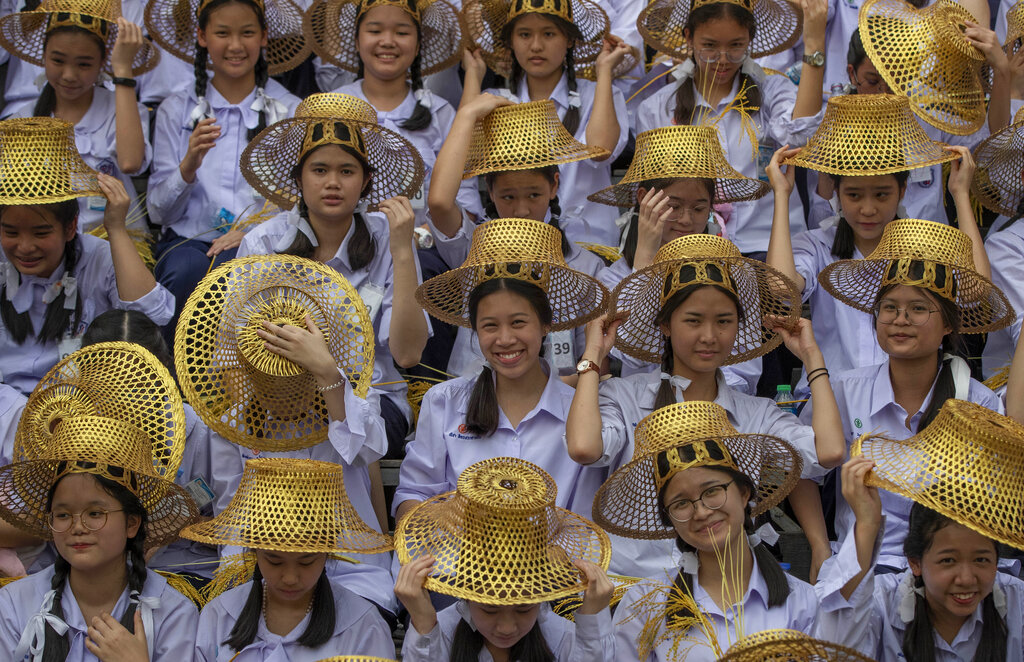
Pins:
x,y
779,23
905,242
521,249
702,259
23,34
39,163
356,658
567,607
242,391
692,152
173,25
1014,28
268,162
290,505
117,380
968,464
999,181
97,445
523,136
869,134
663,443
499,538
789,646
923,54
330,27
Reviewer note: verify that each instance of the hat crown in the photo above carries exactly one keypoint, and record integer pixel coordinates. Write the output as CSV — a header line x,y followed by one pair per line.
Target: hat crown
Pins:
x,y
522,487
108,10
40,163
409,6
279,305
336,106
917,239
105,441
677,151
559,8
514,241
678,425
948,22
789,645
697,246
746,4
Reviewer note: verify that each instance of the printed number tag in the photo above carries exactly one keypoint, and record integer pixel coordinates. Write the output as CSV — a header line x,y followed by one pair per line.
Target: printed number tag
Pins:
x,y
561,351
372,296
68,345
419,201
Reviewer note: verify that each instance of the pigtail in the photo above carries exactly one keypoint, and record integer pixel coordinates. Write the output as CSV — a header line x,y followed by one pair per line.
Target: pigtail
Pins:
x,y
556,217
55,646
202,78
262,73
773,574
919,638
244,631
666,394
322,615
361,248
301,246
136,576
482,412
842,245
58,319
47,101
515,77
686,100
572,113
420,118
632,235
19,325
992,647
945,388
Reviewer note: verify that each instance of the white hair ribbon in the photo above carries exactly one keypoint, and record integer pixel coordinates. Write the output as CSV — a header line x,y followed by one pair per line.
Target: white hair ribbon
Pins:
x,y
463,608
961,375
40,81
684,71
146,607
424,97
999,599
574,99
766,534
33,637
12,280
907,594
690,563
70,292
201,110
752,69
361,206
274,109
507,93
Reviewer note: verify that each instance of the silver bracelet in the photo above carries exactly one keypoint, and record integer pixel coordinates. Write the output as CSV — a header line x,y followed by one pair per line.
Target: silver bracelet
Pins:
x,y
325,389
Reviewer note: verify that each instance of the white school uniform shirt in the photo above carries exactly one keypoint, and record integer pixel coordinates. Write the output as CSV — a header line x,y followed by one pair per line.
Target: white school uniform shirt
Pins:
x,y
625,401
374,282
867,405
589,639
192,210
875,618
359,629
750,223
799,612
1005,250
12,404
22,366
427,142
169,617
96,140
585,220
443,448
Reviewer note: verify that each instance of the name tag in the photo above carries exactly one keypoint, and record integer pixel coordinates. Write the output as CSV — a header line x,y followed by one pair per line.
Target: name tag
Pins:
x,y
372,296
419,201
922,176
561,349
200,492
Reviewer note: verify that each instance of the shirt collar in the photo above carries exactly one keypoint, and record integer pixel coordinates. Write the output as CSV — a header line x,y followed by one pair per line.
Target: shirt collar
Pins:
x,y
882,394
553,399
757,588
725,396
560,95
250,117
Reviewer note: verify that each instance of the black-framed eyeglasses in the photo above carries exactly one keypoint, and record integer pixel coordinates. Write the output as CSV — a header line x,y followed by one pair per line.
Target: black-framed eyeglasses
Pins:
x,y
917,314
713,498
93,519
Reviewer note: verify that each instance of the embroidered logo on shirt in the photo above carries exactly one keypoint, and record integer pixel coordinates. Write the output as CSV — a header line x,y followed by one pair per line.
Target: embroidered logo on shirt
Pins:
x,y
857,422
461,433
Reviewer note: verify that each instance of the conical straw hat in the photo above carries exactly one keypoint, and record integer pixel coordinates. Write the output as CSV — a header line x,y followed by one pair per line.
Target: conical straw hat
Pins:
x,y
39,163
673,152
968,465
499,539
23,34
241,390
999,180
291,505
628,503
523,136
703,259
789,646
330,27
97,445
116,380
173,25
521,249
356,658
983,306
1014,28
923,54
869,134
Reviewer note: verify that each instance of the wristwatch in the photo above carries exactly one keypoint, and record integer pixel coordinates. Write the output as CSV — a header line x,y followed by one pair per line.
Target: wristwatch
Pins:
x,y
586,365
815,59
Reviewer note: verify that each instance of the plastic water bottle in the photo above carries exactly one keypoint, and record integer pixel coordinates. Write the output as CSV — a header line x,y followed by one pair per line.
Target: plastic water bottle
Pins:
x,y
784,398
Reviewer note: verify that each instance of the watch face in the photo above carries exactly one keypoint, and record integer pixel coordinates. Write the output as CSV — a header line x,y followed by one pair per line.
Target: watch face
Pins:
x,y
583,365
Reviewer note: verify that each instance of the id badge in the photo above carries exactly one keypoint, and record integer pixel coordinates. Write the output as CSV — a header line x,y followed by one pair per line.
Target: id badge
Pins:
x,y
561,350
200,492
764,158
97,203
68,345
223,220
419,200
372,296
922,176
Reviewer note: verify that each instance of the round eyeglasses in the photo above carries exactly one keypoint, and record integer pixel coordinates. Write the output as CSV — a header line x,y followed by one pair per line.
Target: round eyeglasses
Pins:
x,y
93,519
713,498
917,314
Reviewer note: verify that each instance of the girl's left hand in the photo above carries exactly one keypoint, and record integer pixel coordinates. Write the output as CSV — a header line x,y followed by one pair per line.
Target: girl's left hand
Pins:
x,y
115,215
613,51
987,41
961,171
306,347
225,242
782,182
129,41
799,339
815,18
401,221
112,642
599,588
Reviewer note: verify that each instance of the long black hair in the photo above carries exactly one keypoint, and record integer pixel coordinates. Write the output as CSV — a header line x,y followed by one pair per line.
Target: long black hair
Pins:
x,y
56,647
919,638
57,319
47,101
550,174
261,70
843,245
633,227
482,411
467,644
117,325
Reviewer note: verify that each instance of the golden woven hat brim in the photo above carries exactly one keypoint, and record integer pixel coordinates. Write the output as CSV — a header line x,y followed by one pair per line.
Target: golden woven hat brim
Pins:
x,y
627,504
869,134
588,70
997,182
681,152
514,248
40,164
268,160
100,443
116,380
523,136
173,25
23,34
499,538
779,25
566,607
791,646
291,505
486,19
330,27
983,306
763,291
968,465
238,388
923,54
1014,28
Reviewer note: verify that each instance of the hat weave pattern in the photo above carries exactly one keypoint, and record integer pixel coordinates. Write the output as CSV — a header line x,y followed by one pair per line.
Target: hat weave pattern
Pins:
x,y
789,646
997,183
356,658
923,54
290,505
244,392
628,502
39,163
983,306
869,134
763,292
1014,28
968,465
499,539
